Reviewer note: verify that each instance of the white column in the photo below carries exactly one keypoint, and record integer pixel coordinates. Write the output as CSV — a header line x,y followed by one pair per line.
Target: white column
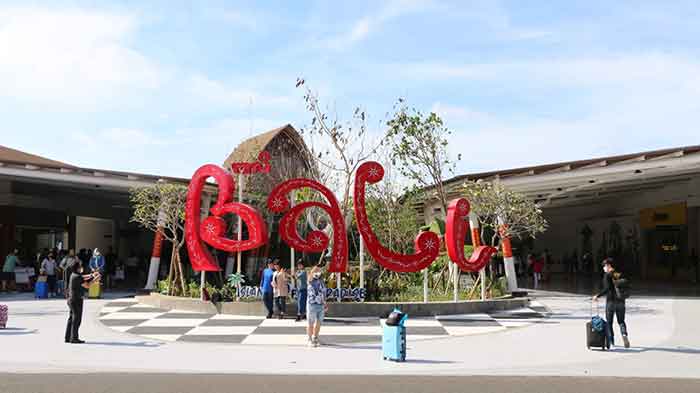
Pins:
x,y
292,254
508,261
362,263
154,266
455,281
482,277
202,282
338,283
240,221
425,285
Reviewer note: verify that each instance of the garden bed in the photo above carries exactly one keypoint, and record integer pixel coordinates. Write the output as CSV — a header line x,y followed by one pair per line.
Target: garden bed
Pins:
x,y
343,310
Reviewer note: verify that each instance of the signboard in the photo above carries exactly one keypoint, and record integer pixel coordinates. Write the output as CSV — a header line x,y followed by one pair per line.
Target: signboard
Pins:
x,y
668,215
347,294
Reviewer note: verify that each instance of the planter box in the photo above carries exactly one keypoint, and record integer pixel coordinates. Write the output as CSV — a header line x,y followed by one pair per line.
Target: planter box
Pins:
x,y
347,310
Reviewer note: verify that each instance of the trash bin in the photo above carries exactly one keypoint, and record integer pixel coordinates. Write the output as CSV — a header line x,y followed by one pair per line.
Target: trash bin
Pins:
x,y
394,337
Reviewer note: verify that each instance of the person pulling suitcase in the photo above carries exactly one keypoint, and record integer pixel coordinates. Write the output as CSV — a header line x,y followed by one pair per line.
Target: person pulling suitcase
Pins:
x,y
616,291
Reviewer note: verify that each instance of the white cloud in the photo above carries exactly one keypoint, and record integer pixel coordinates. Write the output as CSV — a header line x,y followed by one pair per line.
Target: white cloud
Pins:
x,y
218,92
177,152
613,105
361,28
71,58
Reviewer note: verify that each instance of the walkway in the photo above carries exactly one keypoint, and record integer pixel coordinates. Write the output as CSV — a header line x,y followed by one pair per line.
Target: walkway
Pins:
x,y
663,331
125,315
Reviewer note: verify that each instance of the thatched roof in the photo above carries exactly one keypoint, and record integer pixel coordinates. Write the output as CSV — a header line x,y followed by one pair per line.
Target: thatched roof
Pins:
x,y
248,150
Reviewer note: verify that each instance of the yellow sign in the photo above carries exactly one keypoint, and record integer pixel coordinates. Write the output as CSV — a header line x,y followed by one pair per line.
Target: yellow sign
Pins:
x,y
674,214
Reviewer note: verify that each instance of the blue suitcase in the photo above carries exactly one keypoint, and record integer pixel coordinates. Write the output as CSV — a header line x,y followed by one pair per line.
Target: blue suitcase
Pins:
x,y
394,343
41,290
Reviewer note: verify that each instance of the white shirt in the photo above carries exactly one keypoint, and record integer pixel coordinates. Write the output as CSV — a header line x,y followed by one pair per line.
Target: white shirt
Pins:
x,y
49,266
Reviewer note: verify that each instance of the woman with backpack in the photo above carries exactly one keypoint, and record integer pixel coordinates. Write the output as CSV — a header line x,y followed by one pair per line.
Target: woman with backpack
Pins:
x,y
616,291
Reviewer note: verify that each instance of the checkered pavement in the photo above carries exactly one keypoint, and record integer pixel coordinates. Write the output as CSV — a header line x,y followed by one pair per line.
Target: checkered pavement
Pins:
x,y
126,315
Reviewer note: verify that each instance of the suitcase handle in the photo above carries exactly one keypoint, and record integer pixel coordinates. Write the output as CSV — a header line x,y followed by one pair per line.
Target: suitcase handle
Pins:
x,y
597,308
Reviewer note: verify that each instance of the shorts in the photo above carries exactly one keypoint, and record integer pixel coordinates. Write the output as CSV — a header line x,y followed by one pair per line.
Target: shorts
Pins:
x,y
314,313
7,276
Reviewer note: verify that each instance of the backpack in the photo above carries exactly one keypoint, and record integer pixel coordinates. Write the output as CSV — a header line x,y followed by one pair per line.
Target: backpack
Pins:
x,y
597,324
622,288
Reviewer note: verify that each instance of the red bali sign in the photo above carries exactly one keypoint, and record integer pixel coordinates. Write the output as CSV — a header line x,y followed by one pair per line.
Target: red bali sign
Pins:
x,y
262,165
455,232
316,241
212,229
427,243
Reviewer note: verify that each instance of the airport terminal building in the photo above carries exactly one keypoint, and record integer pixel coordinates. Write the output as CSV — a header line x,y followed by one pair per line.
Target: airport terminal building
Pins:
x,y
643,208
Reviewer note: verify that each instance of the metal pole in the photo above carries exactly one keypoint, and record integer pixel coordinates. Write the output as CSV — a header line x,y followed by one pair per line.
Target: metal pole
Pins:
x,y
240,222
202,283
338,286
291,249
362,263
455,281
482,277
425,285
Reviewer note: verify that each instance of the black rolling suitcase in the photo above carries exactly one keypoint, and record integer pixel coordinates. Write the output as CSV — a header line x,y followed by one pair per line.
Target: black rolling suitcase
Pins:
x,y
597,332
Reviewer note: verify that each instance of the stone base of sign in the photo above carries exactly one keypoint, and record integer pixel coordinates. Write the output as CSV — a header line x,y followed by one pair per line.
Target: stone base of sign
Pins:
x,y
340,310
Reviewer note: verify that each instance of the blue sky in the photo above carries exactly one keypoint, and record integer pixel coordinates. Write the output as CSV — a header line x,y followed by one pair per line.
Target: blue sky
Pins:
x,y
163,87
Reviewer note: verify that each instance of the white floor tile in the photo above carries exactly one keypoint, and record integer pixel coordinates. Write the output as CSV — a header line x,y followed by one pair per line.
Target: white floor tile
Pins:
x,y
351,330
277,339
132,315
469,330
221,330
229,316
476,317
162,337
164,322
120,328
280,322
111,309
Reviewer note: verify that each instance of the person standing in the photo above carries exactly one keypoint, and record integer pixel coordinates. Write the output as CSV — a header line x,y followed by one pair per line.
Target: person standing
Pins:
x,y
77,285
302,291
537,268
280,283
614,303
316,306
266,287
8,269
48,265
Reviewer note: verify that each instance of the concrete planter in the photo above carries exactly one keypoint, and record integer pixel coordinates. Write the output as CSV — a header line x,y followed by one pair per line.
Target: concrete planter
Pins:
x,y
347,310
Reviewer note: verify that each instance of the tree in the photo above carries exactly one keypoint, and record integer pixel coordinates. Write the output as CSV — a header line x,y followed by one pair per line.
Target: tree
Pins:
x,y
419,149
494,204
161,208
338,147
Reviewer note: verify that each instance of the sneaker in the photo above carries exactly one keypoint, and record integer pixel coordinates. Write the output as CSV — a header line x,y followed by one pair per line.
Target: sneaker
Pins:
x,y
317,342
311,342
627,341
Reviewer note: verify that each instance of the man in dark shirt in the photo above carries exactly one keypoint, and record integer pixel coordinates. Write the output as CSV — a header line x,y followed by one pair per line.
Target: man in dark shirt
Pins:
x,y
614,306
77,285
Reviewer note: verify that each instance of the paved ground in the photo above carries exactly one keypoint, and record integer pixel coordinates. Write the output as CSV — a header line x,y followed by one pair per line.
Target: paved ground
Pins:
x,y
664,337
125,315
164,383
